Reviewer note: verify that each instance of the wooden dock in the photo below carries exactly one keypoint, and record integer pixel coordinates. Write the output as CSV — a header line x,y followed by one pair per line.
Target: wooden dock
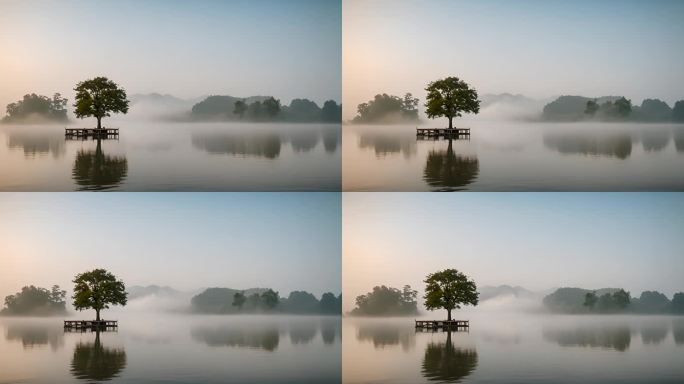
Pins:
x,y
85,133
442,132
435,325
86,325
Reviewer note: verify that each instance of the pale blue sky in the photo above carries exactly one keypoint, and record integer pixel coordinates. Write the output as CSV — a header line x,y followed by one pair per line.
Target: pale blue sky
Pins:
x,y
287,241
537,240
288,49
540,48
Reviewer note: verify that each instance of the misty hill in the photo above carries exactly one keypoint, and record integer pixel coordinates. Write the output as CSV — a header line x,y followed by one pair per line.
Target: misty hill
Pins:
x,y
155,105
136,291
506,106
263,300
578,108
611,300
490,292
264,108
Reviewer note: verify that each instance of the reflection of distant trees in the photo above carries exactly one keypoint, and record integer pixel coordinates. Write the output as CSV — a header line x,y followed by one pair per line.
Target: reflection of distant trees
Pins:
x,y
678,331
654,139
386,335
35,335
302,332
303,141
653,333
331,329
446,363
616,337
37,143
93,170
266,338
678,136
387,143
332,135
95,362
609,145
447,171
259,145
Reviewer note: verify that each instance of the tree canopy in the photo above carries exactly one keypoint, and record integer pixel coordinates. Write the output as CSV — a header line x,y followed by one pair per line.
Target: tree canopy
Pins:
x,y
263,300
388,109
449,289
33,107
450,97
610,300
36,301
387,301
98,98
98,289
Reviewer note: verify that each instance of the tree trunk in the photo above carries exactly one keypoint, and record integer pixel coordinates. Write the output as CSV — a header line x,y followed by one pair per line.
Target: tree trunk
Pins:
x,y
99,123
451,126
97,315
448,314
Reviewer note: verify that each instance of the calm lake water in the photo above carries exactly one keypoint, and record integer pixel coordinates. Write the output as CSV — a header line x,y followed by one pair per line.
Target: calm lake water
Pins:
x,y
517,349
516,157
173,157
174,349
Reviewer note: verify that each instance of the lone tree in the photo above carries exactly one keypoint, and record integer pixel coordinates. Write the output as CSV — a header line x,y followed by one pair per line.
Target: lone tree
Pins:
x,y
97,289
450,97
449,289
99,97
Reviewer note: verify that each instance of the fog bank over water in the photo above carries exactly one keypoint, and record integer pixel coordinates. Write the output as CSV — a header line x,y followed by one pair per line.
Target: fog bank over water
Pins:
x,y
537,241
185,241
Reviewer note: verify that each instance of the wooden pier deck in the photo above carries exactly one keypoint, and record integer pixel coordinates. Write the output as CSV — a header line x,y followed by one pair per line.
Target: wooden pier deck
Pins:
x,y
435,325
85,325
442,132
84,133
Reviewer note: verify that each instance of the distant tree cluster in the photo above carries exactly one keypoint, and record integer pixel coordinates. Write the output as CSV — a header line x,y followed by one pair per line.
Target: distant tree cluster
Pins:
x,y
265,108
257,300
36,301
388,109
612,300
612,108
37,107
387,301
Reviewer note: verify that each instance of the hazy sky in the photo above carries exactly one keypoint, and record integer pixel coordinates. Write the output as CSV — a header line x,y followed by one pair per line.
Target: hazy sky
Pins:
x,y
287,241
187,48
535,240
540,48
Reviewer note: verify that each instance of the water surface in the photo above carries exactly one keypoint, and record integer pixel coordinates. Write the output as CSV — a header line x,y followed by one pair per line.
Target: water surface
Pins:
x,y
174,349
173,157
516,157
517,349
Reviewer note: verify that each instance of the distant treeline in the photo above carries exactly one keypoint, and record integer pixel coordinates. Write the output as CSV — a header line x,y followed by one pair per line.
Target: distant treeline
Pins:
x,y
388,109
387,301
612,108
265,108
612,300
261,300
36,301
37,108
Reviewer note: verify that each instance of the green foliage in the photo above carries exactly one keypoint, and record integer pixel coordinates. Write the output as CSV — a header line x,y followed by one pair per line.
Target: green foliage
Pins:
x,y
257,300
449,289
99,97
240,107
678,303
450,97
652,302
654,110
37,107
592,108
239,300
590,300
331,112
387,301
36,301
97,289
388,109
678,111
265,108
